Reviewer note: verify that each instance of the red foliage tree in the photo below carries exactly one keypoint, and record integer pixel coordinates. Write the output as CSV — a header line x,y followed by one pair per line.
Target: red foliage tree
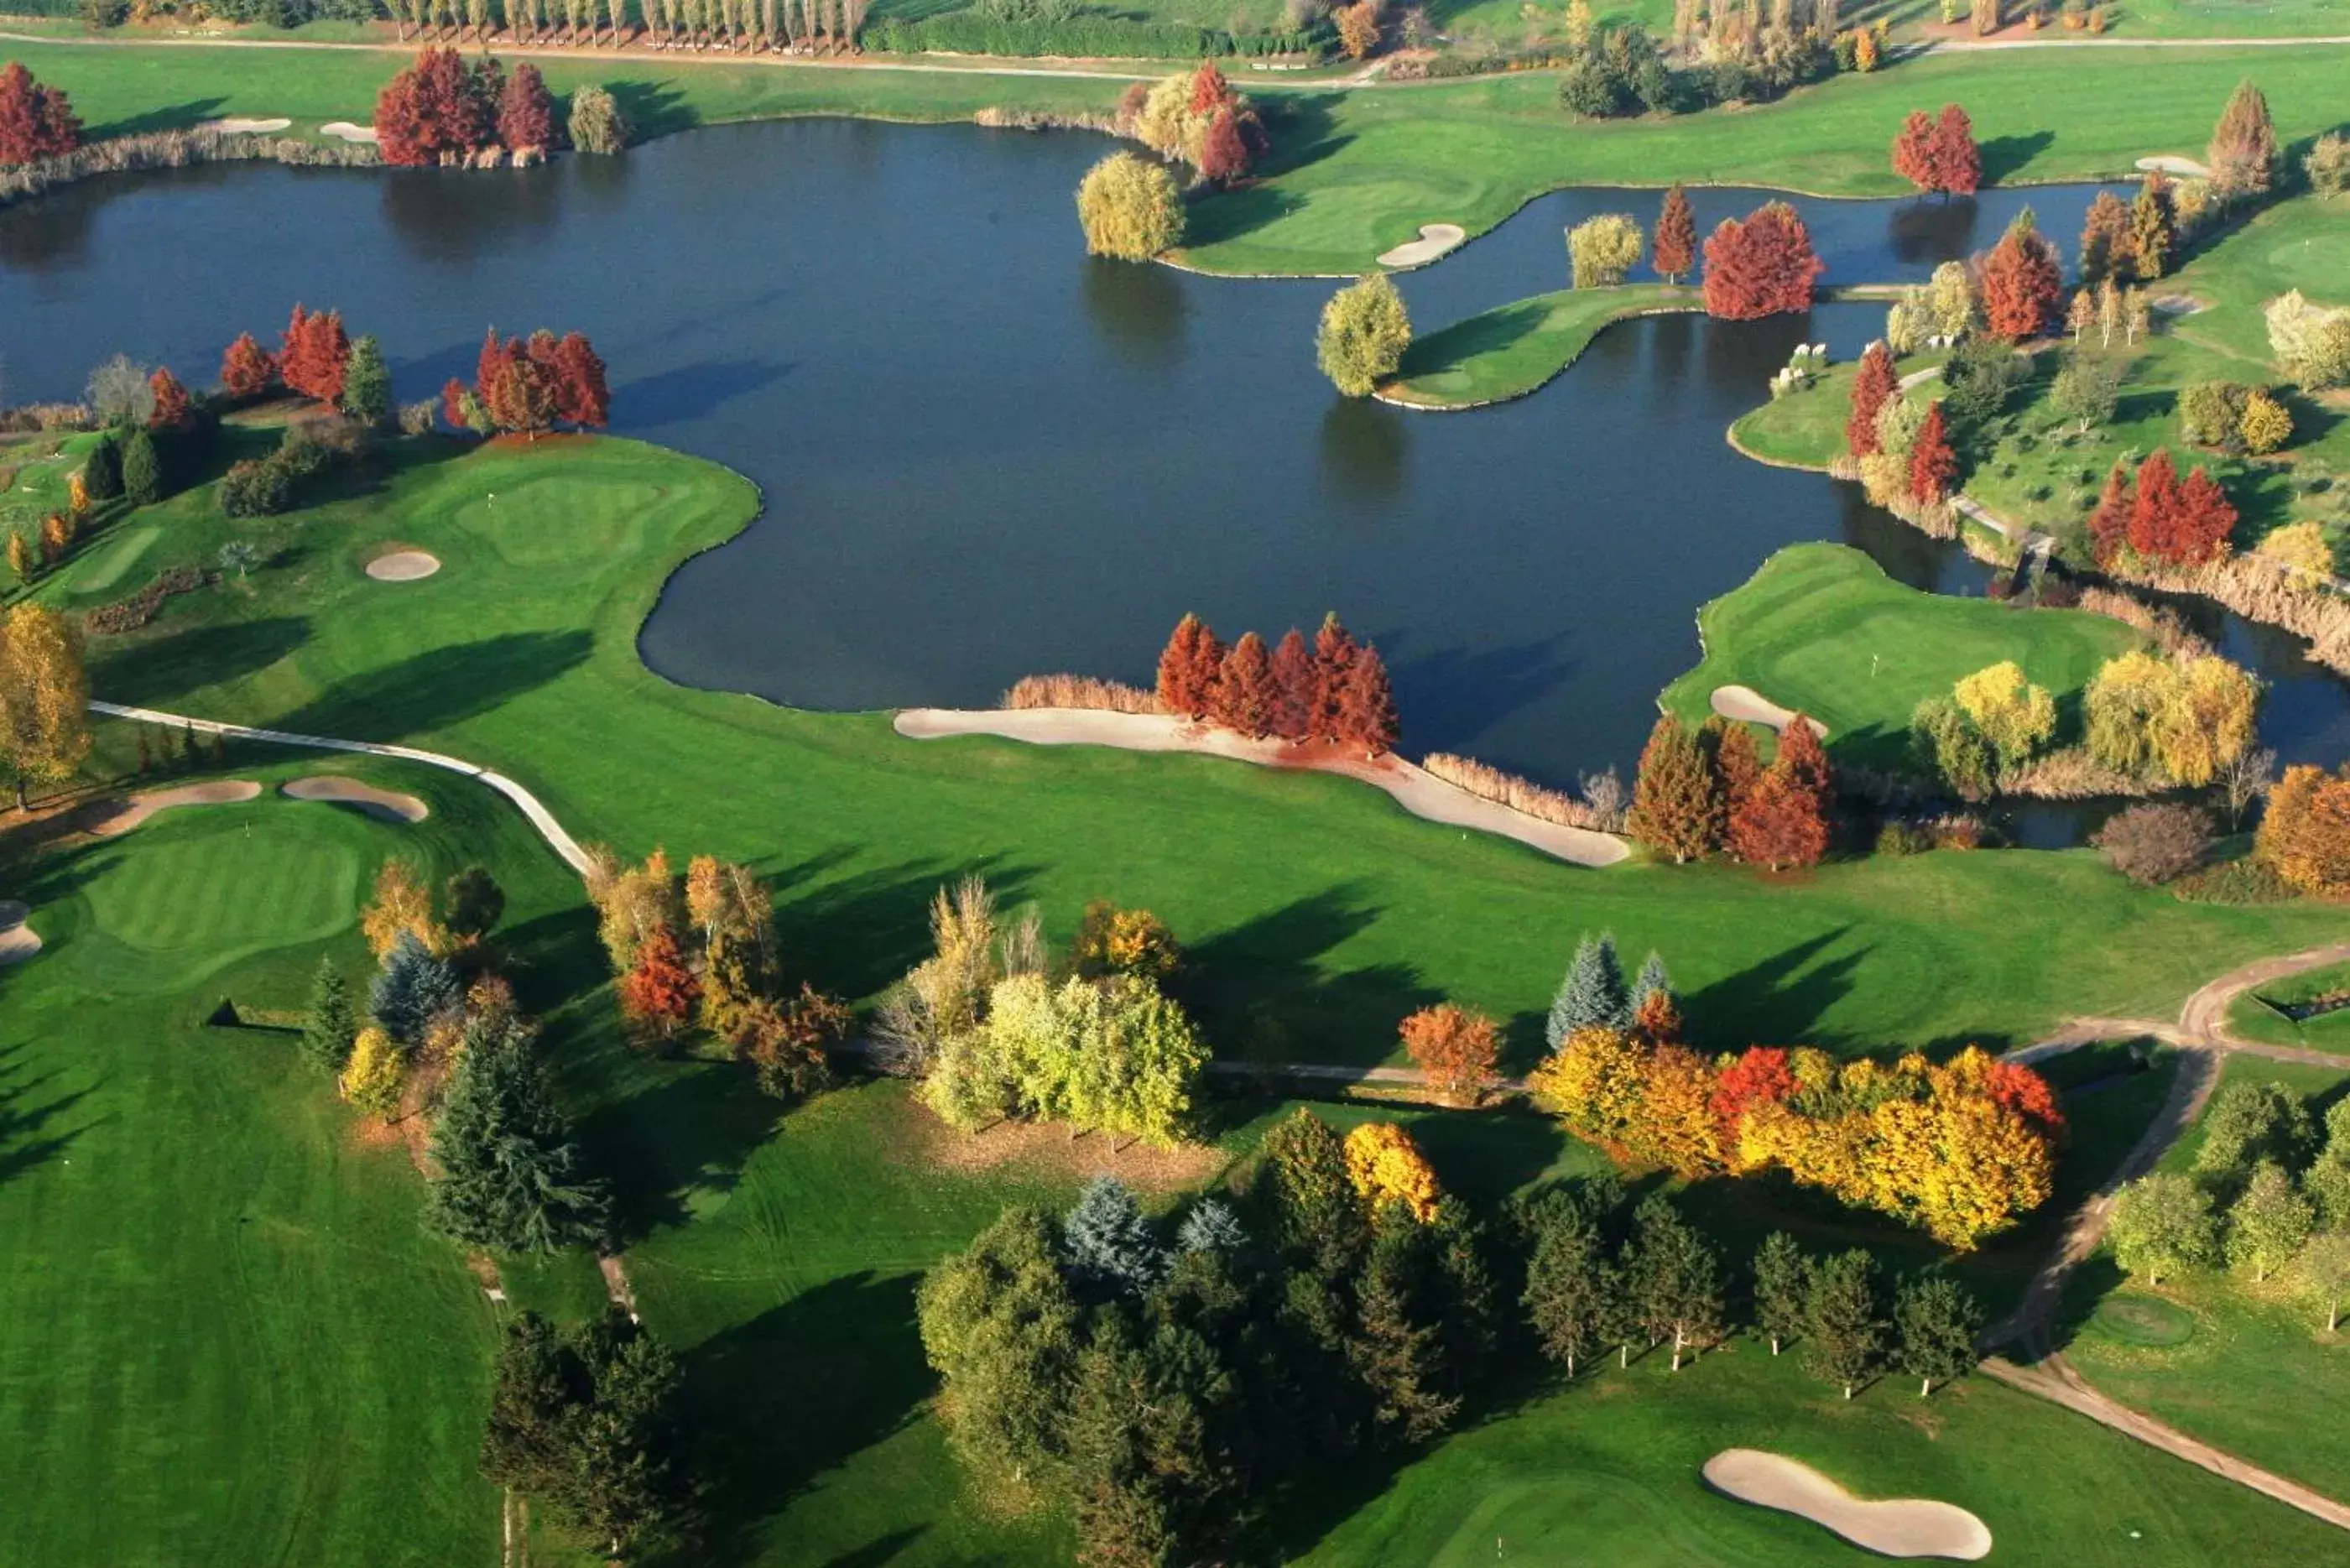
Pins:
x,y
1673,252
311,358
660,991
437,110
2106,240
1209,90
1297,687
35,122
2154,507
525,111
514,386
1457,1049
1761,266
1736,762
171,412
1246,696
1913,151
1759,1076
1187,669
581,397
1657,1017
1871,384
2022,284
247,370
1367,710
1334,661
2109,524
1933,466
1778,825
452,402
2025,1092
1224,153
2203,521
1956,161
1806,761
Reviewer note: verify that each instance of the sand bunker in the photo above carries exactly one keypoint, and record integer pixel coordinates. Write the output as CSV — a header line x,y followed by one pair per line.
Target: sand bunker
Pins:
x,y
18,941
344,131
402,566
2171,164
247,127
108,818
1435,239
1906,1527
1415,789
1750,706
388,805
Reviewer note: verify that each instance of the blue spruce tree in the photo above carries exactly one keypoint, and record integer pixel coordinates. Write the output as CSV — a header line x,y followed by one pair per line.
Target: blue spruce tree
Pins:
x,y
413,986
1653,979
1593,995
1111,1248
1211,1227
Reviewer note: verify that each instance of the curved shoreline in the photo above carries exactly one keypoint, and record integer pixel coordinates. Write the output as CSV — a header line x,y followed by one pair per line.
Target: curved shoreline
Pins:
x,y
1413,787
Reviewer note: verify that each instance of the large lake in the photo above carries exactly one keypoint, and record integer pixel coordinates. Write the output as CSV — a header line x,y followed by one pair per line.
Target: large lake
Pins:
x,y
985,455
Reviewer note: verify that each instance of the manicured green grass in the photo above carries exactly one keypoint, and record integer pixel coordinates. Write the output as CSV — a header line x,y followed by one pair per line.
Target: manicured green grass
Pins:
x,y
1608,1471
1820,628
2230,19
1354,173
2253,1018
229,1340
1316,954
1803,429
1517,348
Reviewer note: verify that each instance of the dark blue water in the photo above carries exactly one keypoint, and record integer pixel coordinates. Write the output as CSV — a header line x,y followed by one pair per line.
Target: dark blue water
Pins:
x,y
985,455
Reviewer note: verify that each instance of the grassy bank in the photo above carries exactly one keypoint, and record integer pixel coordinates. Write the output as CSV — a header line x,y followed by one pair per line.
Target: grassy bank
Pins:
x,y
2256,1015
1517,348
1822,628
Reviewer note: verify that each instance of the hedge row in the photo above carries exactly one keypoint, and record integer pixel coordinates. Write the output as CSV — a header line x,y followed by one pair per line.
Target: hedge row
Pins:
x,y
1084,37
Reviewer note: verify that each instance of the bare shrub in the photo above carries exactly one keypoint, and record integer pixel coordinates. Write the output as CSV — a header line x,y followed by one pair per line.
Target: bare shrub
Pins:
x,y
1489,782
174,150
1080,691
1955,830
2160,622
2070,775
2151,844
2255,590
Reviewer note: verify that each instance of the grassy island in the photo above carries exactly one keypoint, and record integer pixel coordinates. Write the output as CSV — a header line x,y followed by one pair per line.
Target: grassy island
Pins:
x,y
1517,348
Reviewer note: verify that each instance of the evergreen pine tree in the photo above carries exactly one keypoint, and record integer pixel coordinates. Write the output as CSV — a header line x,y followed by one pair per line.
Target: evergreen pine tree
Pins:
x,y
510,1176
412,988
101,472
1296,688
1366,713
1334,660
1110,1245
1782,1286
366,383
1398,1344
142,469
330,1026
1937,1321
1593,995
1211,1227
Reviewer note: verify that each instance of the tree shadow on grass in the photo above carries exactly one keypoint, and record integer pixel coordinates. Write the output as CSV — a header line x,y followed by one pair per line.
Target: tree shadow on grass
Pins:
x,y
28,1136
2005,156
152,672
855,935
796,1392
651,109
1261,993
439,687
1782,997
166,117
1486,333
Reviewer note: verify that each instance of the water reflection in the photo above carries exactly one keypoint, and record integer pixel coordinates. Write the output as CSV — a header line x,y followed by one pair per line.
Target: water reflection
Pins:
x,y
1138,311
458,214
1367,449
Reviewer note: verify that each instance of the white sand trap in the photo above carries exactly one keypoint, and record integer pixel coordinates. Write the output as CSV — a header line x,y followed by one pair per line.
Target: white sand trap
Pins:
x,y
246,127
1905,1526
109,818
390,805
402,566
1750,706
18,941
1415,789
2171,164
344,131
1435,239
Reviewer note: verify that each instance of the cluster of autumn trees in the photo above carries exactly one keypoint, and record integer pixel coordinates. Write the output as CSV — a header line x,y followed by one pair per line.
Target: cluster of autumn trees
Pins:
x,y
702,953
996,1027
1962,1149
1705,792
1937,154
440,111
2269,1195
2304,833
1335,692
2155,515
36,121
1197,118
524,386
1760,266
1900,451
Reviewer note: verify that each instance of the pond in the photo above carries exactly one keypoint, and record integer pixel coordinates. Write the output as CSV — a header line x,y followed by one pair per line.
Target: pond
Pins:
x,y
985,455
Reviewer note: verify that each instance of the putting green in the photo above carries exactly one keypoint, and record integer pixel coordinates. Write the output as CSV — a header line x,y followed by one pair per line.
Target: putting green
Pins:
x,y
2145,1320
191,897
1555,1519
599,520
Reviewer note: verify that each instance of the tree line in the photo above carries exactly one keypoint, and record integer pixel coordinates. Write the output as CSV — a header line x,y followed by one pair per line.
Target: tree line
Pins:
x,y
440,111
1705,792
1333,692
1167,1387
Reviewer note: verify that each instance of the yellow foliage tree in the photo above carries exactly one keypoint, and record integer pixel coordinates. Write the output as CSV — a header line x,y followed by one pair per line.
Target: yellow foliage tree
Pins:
x,y
2304,835
631,902
1682,1131
44,699
1597,1082
1387,1167
2302,551
402,903
371,1079
2015,716
2206,722
1129,207
2122,700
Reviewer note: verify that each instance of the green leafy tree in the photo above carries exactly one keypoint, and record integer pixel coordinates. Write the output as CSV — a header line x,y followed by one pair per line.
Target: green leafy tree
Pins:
x,y
1844,1327
1129,208
330,1026
1783,1288
367,384
2322,1271
596,123
1937,1321
1603,250
2267,1223
1003,1332
510,1176
1675,1279
1364,332
2252,1122
142,469
1592,995
474,902
2162,1223
1568,1283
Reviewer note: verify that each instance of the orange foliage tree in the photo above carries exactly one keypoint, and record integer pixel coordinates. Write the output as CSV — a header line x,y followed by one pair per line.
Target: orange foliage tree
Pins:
x,y
658,993
2305,837
1456,1048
